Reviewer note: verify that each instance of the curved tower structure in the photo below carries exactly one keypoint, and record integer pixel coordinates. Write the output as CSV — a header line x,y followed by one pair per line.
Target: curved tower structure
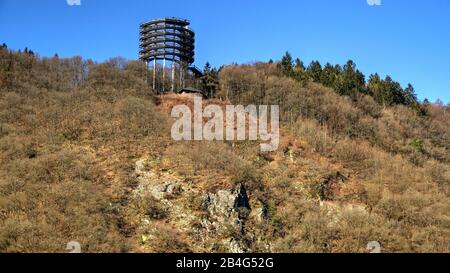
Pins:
x,y
168,45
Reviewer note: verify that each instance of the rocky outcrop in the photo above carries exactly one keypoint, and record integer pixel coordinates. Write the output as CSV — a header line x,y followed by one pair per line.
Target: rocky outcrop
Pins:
x,y
166,189
220,225
228,210
159,187
226,204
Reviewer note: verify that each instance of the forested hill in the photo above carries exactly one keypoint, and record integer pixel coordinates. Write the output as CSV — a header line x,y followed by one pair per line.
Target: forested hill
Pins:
x,y
349,81
86,155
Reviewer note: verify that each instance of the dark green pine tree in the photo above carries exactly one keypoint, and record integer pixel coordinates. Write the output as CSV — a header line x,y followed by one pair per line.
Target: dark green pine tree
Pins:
x,y
413,102
329,75
286,64
410,95
377,89
315,71
353,81
210,80
299,71
299,65
397,93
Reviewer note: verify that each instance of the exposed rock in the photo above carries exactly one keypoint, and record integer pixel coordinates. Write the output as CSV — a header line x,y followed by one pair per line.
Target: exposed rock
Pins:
x,y
154,184
225,211
166,189
241,203
228,210
236,246
227,204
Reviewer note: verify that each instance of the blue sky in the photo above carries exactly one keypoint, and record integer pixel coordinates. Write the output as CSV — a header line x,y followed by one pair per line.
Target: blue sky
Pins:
x,y
408,39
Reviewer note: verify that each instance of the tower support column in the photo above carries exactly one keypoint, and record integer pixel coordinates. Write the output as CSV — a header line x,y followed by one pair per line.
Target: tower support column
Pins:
x,y
173,76
154,74
164,75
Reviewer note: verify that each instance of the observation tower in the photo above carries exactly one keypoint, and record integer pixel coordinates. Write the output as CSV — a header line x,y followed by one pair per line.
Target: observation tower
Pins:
x,y
167,46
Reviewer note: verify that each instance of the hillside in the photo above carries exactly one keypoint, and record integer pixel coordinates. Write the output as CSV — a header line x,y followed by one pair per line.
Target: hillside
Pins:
x,y
86,155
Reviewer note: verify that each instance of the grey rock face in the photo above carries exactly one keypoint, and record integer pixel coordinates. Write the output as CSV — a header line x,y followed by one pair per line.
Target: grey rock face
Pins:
x,y
228,204
228,211
221,224
162,190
